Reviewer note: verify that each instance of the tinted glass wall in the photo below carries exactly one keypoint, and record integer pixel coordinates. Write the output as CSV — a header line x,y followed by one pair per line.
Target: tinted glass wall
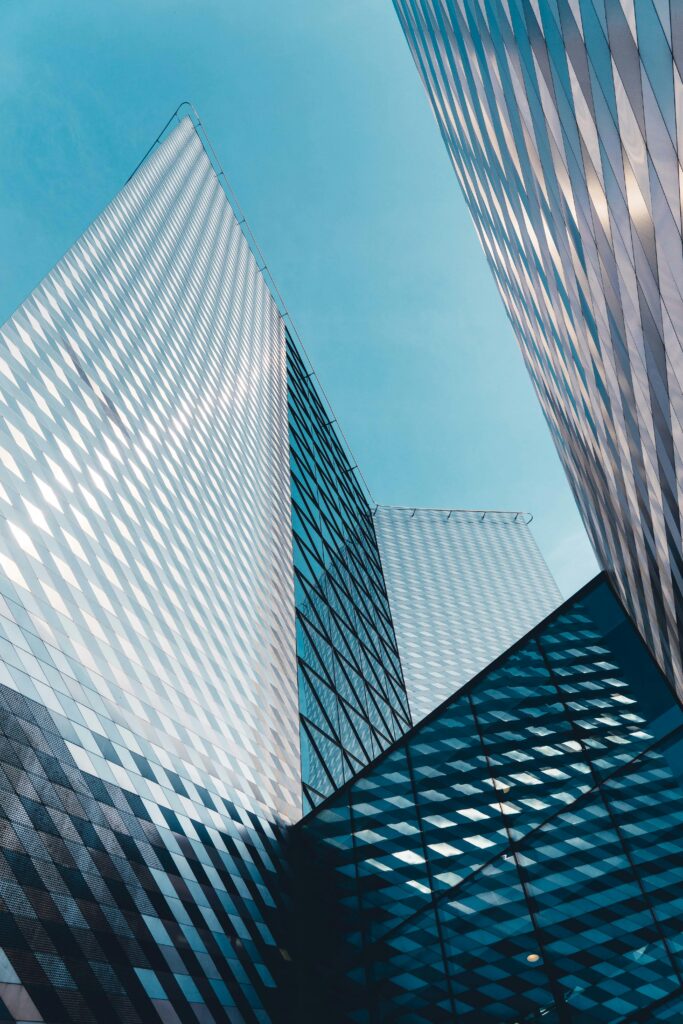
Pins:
x,y
516,857
351,692
563,120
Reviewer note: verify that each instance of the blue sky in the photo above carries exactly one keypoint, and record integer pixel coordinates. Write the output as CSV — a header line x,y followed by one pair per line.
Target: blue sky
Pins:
x,y
321,123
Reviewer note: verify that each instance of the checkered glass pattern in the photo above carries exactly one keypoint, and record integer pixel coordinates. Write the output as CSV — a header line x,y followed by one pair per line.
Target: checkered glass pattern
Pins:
x,y
149,756
564,122
516,857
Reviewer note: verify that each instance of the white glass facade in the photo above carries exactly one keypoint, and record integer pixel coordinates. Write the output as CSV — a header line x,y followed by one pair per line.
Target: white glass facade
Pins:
x,y
463,586
147,616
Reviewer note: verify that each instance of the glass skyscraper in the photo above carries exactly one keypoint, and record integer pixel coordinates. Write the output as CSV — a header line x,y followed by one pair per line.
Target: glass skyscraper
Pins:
x,y
564,122
159,438
150,735
463,586
197,646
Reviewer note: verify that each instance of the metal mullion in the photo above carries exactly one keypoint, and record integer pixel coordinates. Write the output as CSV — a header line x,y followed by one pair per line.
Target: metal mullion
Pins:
x,y
306,669
430,876
554,982
310,729
343,703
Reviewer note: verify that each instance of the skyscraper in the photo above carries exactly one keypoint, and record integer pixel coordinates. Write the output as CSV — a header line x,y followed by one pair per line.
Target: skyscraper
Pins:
x,y
150,757
563,121
150,747
195,633
463,586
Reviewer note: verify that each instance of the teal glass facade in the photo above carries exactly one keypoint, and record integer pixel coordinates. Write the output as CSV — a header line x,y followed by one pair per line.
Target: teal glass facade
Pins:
x,y
352,696
564,122
516,856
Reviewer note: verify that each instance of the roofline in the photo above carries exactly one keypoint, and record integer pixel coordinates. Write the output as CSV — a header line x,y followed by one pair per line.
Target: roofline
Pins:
x,y
517,516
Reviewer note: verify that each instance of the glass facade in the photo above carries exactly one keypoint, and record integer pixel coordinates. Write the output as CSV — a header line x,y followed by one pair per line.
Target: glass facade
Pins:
x,y
351,692
463,586
182,538
181,534
149,746
516,856
563,120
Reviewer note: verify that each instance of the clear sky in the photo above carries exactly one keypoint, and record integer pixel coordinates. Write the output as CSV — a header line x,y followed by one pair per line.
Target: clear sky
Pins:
x,y
319,118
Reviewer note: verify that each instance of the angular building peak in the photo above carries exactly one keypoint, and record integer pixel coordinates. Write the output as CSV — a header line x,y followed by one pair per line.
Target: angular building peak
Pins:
x,y
160,437
150,722
151,348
